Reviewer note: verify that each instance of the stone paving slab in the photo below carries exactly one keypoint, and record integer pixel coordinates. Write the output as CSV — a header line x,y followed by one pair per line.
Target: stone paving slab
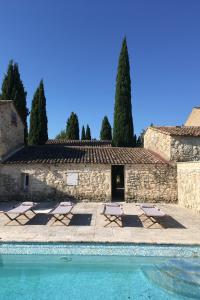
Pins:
x,y
87,225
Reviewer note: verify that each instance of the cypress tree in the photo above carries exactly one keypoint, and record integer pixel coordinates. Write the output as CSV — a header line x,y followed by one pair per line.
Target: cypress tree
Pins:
x,y
72,128
13,89
88,133
106,130
83,133
123,122
38,134
135,140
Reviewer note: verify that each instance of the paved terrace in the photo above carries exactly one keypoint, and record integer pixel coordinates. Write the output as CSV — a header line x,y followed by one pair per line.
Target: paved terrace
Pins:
x,y
87,225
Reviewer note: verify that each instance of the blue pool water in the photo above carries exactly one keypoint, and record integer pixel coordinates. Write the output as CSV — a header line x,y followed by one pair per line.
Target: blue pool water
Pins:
x,y
105,277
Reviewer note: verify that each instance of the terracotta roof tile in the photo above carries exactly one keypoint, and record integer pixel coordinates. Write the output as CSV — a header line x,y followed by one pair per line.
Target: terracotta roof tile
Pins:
x,y
92,143
179,130
51,154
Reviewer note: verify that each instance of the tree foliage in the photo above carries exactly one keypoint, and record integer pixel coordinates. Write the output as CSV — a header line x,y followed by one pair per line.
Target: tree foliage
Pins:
x,y
123,133
13,89
106,130
61,135
83,133
72,127
88,133
38,134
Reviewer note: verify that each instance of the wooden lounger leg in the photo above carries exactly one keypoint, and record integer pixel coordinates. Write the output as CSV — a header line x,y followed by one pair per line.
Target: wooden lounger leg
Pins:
x,y
15,219
153,222
62,217
110,220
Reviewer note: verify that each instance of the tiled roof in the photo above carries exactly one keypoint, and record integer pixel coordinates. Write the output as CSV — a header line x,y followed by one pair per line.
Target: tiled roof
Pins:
x,y
92,143
3,102
50,154
179,130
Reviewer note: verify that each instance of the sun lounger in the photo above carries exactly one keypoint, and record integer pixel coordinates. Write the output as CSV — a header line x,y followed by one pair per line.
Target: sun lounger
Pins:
x,y
113,213
20,210
152,213
63,210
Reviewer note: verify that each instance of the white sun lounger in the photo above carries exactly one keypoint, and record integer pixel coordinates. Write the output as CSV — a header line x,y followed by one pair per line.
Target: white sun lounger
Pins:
x,y
18,211
152,213
113,213
61,211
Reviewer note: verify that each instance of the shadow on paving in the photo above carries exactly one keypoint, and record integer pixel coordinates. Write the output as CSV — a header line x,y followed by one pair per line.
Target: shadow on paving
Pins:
x,y
131,221
169,222
45,205
5,206
39,219
80,220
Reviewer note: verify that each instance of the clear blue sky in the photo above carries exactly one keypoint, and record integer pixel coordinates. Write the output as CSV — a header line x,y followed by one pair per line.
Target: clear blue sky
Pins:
x,y
74,46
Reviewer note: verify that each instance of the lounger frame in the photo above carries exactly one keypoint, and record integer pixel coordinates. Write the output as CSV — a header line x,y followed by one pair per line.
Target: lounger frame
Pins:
x,y
112,218
18,215
153,219
58,217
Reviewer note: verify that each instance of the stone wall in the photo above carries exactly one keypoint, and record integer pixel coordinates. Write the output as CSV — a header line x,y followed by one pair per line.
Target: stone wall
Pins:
x,y
151,183
11,129
49,182
172,148
194,117
143,183
185,148
158,142
188,179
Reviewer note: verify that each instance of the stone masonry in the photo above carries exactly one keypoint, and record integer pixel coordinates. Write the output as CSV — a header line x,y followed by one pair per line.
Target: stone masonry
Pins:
x,y
11,129
188,178
172,148
49,182
185,148
151,183
158,142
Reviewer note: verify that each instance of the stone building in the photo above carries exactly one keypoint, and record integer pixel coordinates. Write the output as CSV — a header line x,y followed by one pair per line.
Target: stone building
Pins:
x,y
194,117
92,170
174,143
11,129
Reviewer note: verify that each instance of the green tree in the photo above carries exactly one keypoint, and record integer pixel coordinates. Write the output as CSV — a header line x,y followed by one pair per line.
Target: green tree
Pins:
x,y
88,133
106,130
123,132
72,127
83,133
61,135
38,134
140,139
13,89
135,140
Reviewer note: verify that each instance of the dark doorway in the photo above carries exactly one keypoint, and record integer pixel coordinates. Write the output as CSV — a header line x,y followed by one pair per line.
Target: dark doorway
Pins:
x,y
118,183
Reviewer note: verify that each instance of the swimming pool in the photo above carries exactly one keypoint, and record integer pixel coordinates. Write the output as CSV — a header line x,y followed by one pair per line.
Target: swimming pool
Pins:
x,y
92,271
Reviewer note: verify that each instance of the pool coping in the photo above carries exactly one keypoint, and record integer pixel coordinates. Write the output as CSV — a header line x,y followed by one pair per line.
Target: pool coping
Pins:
x,y
100,249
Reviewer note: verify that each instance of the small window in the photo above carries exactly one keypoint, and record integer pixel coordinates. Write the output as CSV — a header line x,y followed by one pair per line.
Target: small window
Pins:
x,y
25,182
14,118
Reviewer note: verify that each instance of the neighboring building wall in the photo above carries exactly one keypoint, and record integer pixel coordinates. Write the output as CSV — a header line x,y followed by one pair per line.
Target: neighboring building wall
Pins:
x,y
158,142
151,183
11,129
173,148
185,148
194,117
188,178
50,182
